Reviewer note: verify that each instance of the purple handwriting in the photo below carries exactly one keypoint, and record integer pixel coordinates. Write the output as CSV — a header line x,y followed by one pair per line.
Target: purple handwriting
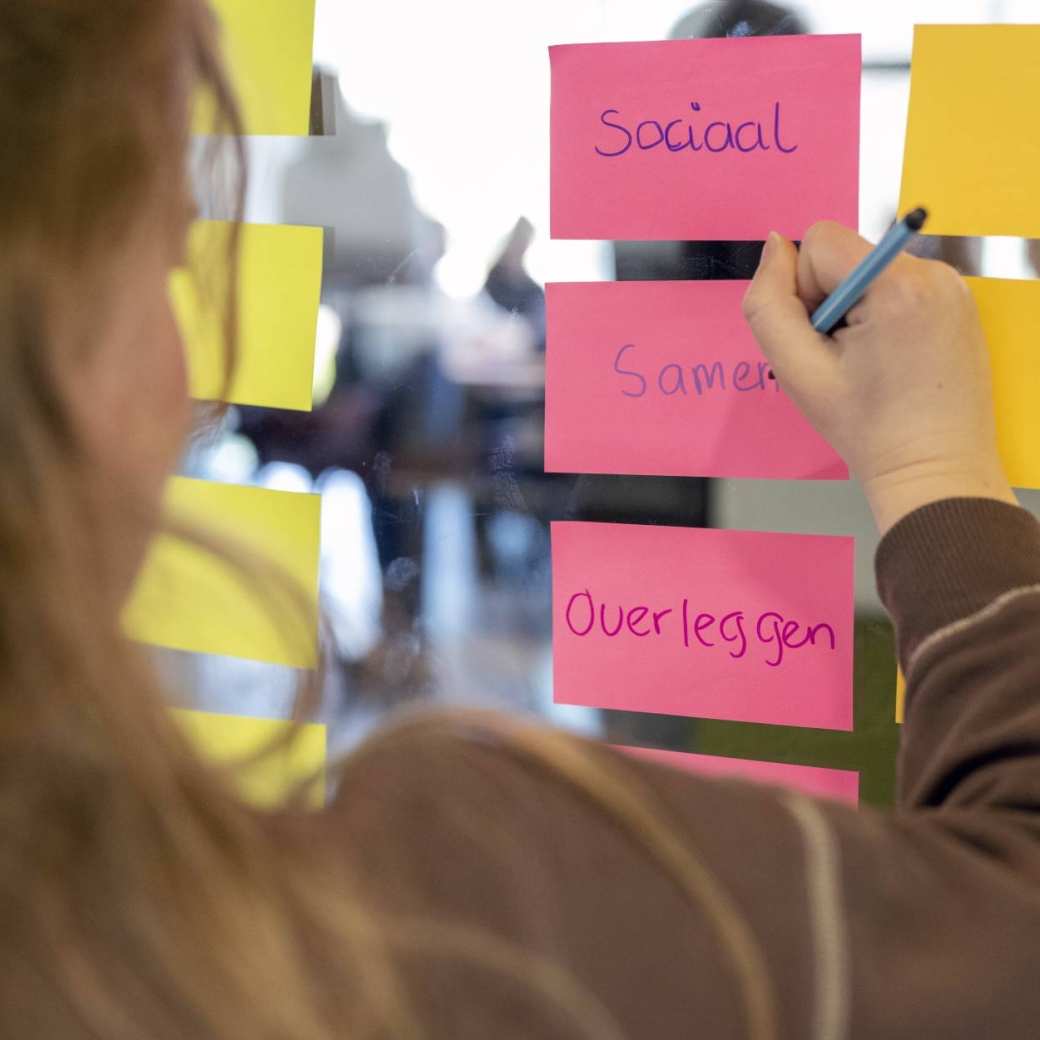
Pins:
x,y
680,135
734,632
673,378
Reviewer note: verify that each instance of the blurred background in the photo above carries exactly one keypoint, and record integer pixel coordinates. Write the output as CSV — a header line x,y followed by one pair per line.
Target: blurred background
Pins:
x,y
426,438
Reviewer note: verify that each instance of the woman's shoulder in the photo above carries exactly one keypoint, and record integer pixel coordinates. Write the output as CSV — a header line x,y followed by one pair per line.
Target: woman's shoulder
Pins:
x,y
573,854
513,774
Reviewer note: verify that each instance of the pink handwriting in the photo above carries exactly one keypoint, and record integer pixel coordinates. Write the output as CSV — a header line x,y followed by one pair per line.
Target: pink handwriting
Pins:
x,y
733,632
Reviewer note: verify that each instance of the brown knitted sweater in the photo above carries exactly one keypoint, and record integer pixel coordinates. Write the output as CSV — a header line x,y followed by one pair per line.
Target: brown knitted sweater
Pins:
x,y
923,922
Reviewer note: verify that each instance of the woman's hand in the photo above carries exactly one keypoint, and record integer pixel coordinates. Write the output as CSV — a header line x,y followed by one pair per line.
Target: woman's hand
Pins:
x,y
903,393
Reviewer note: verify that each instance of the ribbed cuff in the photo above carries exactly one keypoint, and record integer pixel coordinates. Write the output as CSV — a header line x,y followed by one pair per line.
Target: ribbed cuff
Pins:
x,y
948,559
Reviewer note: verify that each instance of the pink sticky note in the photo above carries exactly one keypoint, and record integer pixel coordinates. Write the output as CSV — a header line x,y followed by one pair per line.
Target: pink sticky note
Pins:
x,y
841,785
704,139
691,621
666,378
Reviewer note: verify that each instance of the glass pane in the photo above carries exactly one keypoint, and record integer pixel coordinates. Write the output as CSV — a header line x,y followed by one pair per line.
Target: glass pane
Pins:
x,y
426,441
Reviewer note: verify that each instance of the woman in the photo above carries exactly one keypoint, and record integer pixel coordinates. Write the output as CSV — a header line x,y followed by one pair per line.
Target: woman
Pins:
x,y
474,877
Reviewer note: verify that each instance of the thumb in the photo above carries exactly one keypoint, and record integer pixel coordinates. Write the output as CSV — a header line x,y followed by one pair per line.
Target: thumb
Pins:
x,y
779,319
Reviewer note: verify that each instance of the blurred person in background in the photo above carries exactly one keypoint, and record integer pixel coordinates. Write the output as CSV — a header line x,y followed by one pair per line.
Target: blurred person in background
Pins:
x,y
511,287
391,415
1032,254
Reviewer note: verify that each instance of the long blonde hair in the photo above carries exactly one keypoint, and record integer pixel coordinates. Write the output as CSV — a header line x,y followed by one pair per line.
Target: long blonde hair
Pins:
x,y
139,896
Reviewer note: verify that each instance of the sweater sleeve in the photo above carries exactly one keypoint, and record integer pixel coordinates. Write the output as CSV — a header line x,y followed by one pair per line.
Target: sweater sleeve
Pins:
x,y
961,579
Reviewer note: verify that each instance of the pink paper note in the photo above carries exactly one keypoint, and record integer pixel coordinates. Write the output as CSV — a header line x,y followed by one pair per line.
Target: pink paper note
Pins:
x,y
841,785
704,139
691,621
665,378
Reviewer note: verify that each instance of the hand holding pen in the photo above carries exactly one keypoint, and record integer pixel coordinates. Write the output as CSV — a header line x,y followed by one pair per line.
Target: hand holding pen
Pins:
x,y
902,391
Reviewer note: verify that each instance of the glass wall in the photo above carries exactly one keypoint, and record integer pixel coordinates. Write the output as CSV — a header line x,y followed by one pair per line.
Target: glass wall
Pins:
x,y
426,439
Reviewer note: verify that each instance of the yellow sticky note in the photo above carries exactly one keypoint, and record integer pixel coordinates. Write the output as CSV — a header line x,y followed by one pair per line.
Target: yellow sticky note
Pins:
x,y
188,599
900,696
1010,312
972,157
268,47
279,290
228,739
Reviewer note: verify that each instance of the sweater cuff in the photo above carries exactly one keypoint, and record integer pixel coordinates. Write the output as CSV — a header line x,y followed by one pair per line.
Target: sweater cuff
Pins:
x,y
945,561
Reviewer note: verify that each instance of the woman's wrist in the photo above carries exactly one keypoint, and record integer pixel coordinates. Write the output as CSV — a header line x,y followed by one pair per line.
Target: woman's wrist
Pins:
x,y
897,494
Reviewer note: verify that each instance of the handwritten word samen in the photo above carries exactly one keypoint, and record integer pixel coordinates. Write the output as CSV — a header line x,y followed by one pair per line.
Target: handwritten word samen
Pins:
x,y
673,378
665,378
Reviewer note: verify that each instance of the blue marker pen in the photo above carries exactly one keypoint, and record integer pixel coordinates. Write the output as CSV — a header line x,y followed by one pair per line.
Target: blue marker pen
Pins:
x,y
854,286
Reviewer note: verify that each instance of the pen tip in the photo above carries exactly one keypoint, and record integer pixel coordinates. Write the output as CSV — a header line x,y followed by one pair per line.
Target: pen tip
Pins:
x,y
915,218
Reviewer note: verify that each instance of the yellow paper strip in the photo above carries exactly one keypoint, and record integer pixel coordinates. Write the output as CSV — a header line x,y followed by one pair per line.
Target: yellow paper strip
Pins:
x,y
972,156
188,599
900,696
226,739
268,46
279,289
1010,312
